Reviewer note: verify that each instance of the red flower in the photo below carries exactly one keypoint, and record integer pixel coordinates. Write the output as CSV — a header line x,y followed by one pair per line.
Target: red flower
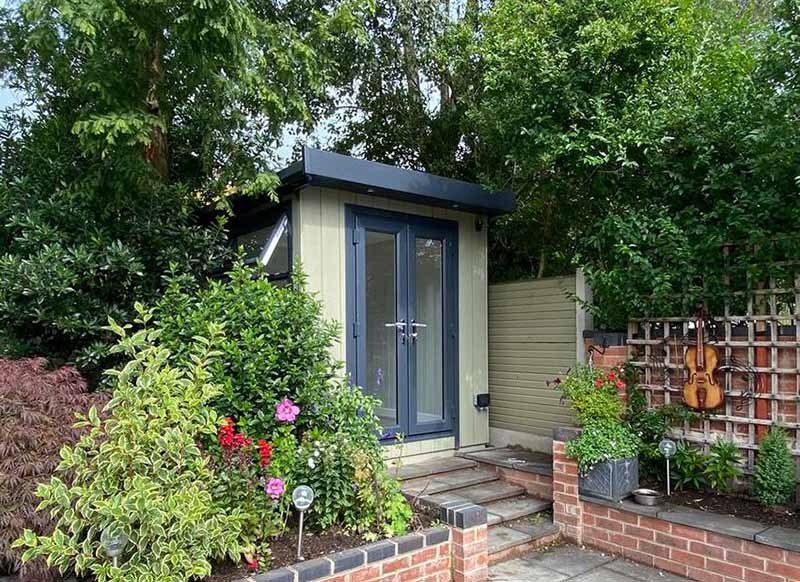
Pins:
x,y
620,385
598,383
612,376
557,381
226,433
264,452
239,440
253,564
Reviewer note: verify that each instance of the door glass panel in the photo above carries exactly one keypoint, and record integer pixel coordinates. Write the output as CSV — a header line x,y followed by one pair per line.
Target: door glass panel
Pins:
x,y
430,338
381,309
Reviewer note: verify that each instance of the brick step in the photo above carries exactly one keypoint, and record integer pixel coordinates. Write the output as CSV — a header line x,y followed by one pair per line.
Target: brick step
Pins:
x,y
478,494
513,509
451,481
405,472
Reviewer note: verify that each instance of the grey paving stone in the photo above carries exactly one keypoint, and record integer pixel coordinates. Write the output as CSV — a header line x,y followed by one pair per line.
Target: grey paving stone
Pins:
x,y
519,570
640,572
480,494
432,467
528,461
721,524
447,481
602,575
780,537
536,528
502,538
510,509
570,560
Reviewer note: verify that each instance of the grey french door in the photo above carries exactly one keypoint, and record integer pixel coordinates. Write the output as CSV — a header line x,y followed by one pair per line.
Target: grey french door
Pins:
x,y
402,294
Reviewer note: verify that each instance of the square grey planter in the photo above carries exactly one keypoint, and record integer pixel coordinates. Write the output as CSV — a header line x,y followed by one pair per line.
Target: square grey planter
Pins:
x,y
612,480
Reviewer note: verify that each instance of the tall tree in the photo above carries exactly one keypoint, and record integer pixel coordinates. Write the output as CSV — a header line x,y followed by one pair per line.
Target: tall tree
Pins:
x,y
138,112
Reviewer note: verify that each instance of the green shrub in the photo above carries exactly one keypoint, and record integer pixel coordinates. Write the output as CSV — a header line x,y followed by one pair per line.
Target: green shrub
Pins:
x,y
722,466
275,344
142,471
688,466
593,394
343,461
774,476
600,442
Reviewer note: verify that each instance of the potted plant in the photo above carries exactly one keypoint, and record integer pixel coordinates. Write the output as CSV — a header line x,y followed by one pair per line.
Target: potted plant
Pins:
x,y
606,448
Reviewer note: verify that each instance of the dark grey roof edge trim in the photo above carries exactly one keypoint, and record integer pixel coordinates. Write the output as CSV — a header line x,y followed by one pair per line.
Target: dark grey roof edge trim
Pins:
x,y
333,170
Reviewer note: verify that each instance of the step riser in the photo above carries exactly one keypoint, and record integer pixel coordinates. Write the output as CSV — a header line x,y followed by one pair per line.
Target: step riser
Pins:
x,y
522,549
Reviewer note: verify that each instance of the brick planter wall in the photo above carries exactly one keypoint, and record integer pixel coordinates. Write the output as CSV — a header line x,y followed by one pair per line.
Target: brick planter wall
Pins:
x,y
698,545
458,553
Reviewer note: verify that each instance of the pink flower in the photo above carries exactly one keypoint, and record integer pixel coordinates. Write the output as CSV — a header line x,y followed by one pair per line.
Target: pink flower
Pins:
x,y
274,487
286,411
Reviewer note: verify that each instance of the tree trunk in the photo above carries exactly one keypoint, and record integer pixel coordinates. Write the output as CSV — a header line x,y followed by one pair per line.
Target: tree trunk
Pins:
x,y
157,153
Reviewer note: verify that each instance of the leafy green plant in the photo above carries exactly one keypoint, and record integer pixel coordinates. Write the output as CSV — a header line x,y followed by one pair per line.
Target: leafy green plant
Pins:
x,y
722,466
600,442
774,478
275,344
594,395
141,471
688,467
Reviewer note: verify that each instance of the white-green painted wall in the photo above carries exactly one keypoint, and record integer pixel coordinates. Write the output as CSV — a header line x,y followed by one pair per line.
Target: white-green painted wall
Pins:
x,y
318,232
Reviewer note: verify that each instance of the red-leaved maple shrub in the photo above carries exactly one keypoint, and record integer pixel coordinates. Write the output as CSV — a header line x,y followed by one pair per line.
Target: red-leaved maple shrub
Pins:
x,y
37,413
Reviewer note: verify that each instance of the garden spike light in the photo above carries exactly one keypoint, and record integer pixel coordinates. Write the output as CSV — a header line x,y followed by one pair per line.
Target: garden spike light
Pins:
x,y
302,497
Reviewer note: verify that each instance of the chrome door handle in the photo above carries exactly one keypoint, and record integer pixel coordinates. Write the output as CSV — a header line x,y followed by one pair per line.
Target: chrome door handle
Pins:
x,y
399,326
414,325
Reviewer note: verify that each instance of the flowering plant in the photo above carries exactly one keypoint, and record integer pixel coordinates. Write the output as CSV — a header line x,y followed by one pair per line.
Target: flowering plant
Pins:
x,y
286,411
593,394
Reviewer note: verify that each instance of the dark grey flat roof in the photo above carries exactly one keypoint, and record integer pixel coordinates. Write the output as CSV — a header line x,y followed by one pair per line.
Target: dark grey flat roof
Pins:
x,y
321,168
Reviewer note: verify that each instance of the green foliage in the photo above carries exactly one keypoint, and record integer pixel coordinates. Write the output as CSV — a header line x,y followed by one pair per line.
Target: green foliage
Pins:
x,y
774,479
275,344
135,117
141,471
593,394
343,461
598,442
652,425
722,466
688,467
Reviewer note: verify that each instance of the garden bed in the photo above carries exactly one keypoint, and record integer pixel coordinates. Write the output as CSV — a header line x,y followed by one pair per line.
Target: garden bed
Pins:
x,y
736,506
315,545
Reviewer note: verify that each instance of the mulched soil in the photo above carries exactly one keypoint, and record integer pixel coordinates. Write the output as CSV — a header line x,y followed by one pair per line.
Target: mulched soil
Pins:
x,y
736,506
315,545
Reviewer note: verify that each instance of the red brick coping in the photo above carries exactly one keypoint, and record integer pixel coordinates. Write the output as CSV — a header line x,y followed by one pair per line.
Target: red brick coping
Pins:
x,y
694,544
456,552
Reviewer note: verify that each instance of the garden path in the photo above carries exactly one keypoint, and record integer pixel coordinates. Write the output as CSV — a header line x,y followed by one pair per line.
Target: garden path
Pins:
x,y
575,564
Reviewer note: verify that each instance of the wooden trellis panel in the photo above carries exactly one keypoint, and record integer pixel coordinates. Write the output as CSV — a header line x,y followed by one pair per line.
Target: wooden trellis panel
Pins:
x,y
760,354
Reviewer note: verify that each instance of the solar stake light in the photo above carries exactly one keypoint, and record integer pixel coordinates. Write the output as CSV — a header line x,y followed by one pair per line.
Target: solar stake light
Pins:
x,y
113,540
667,448
302,497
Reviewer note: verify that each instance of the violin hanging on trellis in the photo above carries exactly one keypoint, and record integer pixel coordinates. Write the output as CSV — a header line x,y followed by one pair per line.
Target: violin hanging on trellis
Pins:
x,y
701,391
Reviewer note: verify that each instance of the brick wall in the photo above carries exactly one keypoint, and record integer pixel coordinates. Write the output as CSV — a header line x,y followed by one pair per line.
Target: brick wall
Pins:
x,y
457,552
687,551
537,485
651,536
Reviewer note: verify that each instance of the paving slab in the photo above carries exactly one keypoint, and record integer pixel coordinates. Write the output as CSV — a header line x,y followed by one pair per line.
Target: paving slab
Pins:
x,y
447,481
722,524
780,537
640,572
431,467
502,538
528,461
519,571
480,494
511,509
536,528
570,560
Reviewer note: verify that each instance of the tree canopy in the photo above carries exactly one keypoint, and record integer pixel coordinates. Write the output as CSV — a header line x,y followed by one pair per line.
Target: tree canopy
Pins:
x,y
137,114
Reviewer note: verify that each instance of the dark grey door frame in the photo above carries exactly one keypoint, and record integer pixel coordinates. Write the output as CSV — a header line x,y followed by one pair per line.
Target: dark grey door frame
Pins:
x,y
407,229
